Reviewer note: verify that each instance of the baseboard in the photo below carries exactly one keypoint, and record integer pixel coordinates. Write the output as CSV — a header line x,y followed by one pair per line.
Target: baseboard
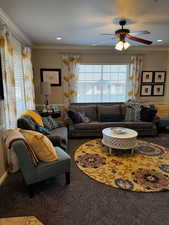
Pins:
x,y
3,177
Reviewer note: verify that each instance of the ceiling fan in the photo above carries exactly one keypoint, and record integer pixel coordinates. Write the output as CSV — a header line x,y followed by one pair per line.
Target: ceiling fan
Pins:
x,y
123,34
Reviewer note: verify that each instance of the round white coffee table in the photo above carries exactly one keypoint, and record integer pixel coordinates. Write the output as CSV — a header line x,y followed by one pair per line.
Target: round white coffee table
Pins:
x,y
119,138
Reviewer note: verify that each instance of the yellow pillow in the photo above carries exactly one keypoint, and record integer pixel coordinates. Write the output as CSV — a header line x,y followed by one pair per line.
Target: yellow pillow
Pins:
x,y
35,116
162,110
41,145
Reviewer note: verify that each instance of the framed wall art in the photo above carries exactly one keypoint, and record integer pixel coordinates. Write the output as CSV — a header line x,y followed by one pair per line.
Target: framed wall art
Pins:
x,y
51,76
159,76
147,77
152,83
158,90
146,90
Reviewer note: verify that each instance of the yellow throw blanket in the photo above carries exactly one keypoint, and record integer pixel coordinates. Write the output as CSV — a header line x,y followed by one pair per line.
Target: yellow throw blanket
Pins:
x,y
35,116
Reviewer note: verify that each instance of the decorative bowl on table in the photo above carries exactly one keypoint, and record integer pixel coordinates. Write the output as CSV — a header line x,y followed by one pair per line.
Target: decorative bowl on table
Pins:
x,y
119,130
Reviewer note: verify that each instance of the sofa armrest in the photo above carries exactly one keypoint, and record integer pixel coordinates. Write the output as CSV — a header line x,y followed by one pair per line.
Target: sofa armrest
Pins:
x,y
68,122
156,119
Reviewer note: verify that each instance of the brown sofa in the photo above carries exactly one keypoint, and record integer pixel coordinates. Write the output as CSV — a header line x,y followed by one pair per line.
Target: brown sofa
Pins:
x,y
95,111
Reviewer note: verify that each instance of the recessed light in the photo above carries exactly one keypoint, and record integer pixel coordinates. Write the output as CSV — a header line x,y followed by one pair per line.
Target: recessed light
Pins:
x,y
59,38
159,40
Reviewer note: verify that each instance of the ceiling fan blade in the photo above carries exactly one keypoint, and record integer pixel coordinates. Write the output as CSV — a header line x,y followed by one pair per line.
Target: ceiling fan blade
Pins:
x,y
139,40
140,32
106,34
95,43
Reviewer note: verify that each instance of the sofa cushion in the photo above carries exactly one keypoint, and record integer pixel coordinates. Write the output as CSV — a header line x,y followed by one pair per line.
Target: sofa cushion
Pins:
x,y
89,110
41,145
123,108
110,113
101,125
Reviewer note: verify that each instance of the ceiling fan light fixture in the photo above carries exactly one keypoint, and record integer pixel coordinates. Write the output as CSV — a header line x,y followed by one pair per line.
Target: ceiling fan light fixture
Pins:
x,y
122,45
119,46
126,45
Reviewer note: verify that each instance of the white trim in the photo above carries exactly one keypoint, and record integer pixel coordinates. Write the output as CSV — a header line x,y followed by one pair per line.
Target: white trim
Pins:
x,y
3,177
5,19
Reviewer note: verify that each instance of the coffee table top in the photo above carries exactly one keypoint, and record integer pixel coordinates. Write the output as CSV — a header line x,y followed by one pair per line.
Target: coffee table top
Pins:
x,y
125,132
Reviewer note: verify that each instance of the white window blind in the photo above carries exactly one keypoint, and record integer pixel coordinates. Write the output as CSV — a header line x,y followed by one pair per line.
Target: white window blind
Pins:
x,y
19,77
102,83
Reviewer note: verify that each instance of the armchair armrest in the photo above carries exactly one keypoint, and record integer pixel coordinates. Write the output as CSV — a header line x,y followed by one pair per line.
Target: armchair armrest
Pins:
x,y
58,141
25,162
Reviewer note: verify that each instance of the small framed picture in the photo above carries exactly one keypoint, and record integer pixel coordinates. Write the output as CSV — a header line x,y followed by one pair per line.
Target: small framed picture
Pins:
x,y
158,90
146,90
51,76
147,77
160,77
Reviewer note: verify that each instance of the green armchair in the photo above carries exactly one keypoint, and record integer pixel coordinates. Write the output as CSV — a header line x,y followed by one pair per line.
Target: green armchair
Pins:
x,y
44,170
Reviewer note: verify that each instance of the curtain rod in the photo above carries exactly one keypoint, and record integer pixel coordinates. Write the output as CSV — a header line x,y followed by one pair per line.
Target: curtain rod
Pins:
x,y
4,26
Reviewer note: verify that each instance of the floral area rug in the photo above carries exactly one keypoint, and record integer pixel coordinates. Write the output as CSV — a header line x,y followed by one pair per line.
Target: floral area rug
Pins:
x,y
147,170
25,220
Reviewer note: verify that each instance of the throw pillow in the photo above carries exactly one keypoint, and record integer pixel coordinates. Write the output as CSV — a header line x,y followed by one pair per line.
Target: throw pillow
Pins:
x,y
41,145
34,115
74,116
132,111
147,114
50,123
43,130
162,110
130,114
84,118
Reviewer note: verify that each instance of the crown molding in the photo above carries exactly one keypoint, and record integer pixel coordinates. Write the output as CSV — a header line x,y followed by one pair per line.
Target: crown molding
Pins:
x,y
99,48
5,20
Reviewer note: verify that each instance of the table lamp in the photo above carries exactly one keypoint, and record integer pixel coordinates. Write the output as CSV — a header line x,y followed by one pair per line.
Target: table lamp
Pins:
x,y
46,91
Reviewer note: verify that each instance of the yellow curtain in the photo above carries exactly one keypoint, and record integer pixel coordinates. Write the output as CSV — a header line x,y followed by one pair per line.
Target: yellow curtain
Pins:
x,y
70,77
28,78
9,104
135,68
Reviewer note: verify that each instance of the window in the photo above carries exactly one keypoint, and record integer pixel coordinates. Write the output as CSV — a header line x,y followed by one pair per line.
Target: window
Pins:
x,y
19,77
102,83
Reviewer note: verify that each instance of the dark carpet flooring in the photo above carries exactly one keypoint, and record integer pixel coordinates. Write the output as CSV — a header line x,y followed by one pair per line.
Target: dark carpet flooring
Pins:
x,y
84,201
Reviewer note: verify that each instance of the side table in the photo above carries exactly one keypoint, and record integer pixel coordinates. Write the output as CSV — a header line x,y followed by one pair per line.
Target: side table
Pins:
x,y
52,114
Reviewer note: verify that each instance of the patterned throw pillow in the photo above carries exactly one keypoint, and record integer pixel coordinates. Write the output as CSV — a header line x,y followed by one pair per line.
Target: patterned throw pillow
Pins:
x,y
41,145
43,130
84,118
50,123
133,113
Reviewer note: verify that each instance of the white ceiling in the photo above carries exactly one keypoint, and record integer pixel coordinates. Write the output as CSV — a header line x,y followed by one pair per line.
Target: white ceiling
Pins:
x,y
80,22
